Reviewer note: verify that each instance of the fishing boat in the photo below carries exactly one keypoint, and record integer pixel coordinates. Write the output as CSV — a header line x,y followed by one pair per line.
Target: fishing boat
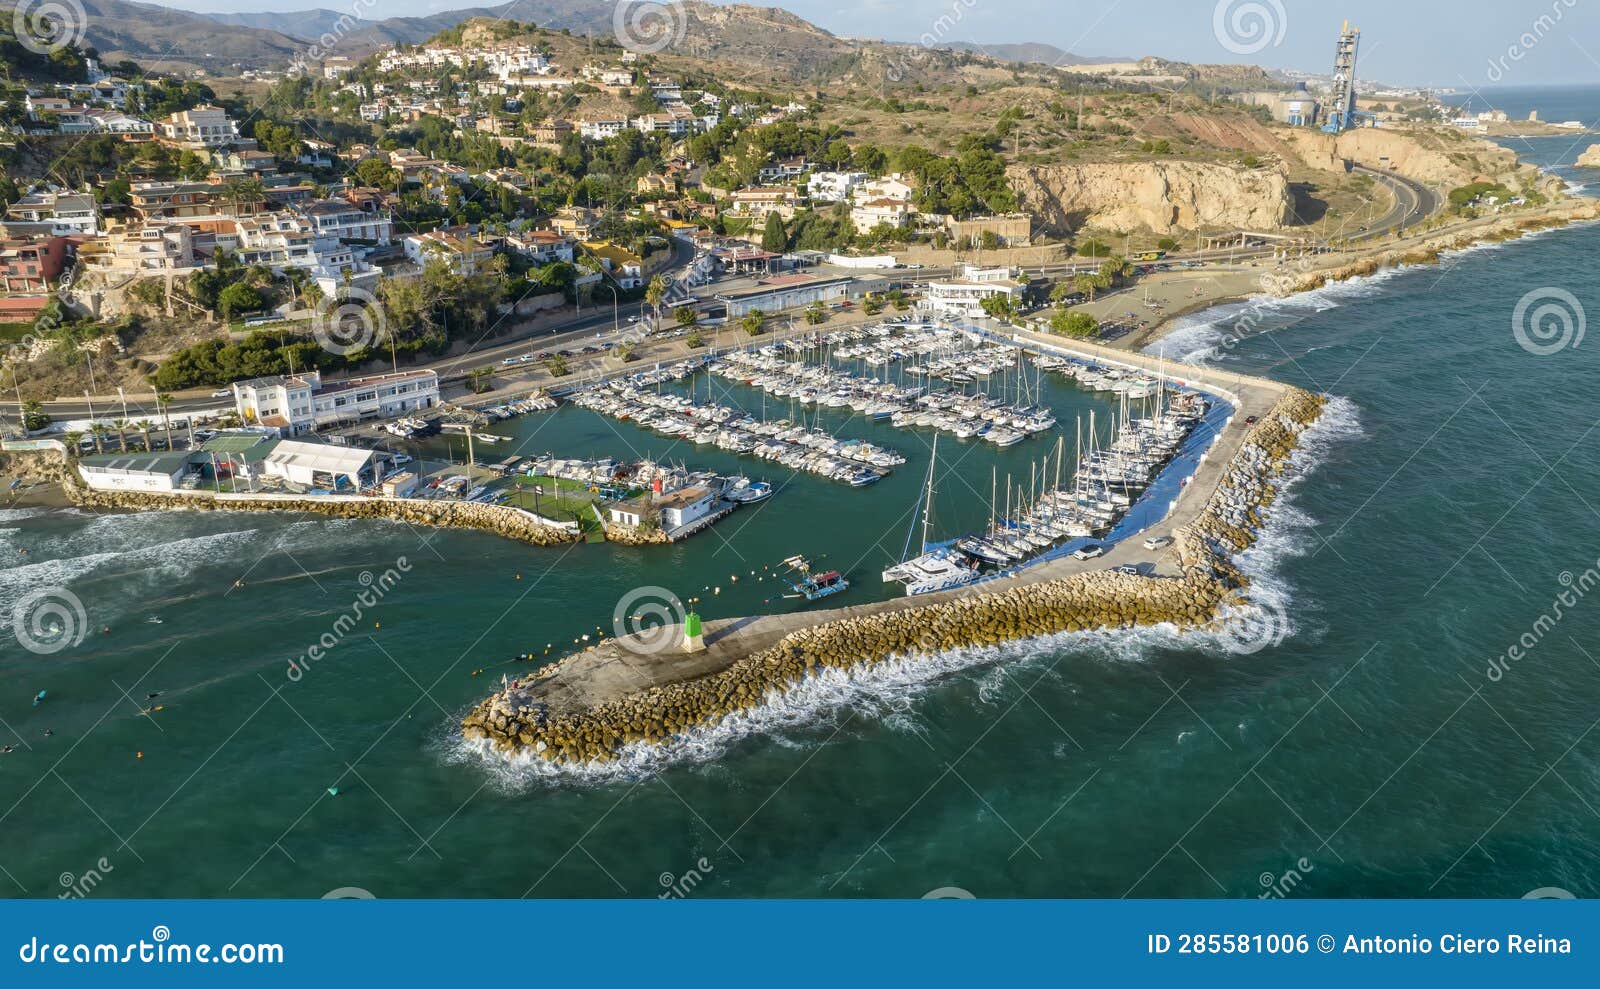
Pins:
x,y
814,586
745,491
938,568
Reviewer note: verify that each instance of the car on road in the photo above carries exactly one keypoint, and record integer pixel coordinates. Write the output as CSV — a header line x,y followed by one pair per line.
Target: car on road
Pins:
x,y
1158,542
633,319
1127,568
222,393
541,355
1091,552
1252,420
509,360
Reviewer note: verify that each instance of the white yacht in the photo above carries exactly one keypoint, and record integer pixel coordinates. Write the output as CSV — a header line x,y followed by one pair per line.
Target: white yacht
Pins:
x,y
935,570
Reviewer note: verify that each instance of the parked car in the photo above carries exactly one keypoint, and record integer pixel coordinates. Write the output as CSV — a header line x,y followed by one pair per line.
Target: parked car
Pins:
x,y
1158,542
222,393
1091,552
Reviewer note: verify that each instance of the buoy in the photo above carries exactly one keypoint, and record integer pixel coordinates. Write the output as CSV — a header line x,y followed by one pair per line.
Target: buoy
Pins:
x,y
377,624
139,755
716,591
519,576
734,579
37,698
333,791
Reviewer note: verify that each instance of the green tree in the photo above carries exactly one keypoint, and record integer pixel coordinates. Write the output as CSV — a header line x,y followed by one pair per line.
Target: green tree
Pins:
x,y
237,298
816,313
686,316
655,292
1073,324
753,321
774,238
998,306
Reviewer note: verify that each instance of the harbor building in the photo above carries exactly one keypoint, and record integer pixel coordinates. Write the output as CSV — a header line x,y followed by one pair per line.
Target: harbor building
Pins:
x,y
962,298
323,466
301,403
782,292
135,471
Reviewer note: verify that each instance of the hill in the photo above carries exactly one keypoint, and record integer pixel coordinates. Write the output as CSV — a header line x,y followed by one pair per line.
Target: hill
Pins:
x,y
1036,52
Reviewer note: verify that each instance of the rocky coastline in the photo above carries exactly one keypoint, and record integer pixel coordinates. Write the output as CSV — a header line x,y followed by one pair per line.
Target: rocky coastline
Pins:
x,y
514,722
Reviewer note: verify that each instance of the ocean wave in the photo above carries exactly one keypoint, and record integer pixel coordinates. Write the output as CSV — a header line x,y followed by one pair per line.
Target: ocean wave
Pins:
x,y
883,693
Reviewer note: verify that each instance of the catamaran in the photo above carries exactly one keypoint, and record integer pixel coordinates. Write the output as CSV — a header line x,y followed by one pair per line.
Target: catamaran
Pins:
x,y
938,569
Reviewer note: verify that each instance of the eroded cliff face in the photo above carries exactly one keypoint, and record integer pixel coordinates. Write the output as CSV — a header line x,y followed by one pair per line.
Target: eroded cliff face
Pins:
x,y
1436,161
1161,196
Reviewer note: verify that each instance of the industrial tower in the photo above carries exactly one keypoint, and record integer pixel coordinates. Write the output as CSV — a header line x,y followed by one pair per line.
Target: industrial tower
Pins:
x,y
1342,109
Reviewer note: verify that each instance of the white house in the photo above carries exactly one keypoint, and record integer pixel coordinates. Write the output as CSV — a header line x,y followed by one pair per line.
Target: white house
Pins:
x,y
963,297
301,403
685,507
869,214
832,187
204,125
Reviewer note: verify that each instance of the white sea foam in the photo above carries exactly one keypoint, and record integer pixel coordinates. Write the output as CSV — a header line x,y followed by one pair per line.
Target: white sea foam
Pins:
x,y
886,692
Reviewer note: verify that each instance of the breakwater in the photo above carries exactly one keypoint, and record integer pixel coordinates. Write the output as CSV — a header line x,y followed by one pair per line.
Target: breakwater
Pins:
x,y
500,520
539,716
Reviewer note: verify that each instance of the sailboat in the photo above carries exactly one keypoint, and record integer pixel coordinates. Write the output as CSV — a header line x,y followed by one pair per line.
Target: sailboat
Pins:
x,y
939,569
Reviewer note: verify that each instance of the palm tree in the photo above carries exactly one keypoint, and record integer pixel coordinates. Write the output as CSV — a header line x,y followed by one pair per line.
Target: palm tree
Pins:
x,y
1086,284
143,426
656,292
99,432
164,405
72,439
121,426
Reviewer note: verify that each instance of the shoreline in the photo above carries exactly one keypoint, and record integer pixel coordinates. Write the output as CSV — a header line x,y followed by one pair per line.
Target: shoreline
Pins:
x,y
593,721
1286,280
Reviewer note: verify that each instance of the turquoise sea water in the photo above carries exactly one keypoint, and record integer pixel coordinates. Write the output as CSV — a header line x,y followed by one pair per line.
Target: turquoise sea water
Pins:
x,y
1370,752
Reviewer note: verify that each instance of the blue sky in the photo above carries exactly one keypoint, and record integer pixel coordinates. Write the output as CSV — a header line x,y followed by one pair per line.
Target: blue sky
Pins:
x,y
1457,43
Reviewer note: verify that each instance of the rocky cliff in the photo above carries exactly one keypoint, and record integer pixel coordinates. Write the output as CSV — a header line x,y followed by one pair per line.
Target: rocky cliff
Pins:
x,y
1590,158
1443,161
1160,196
